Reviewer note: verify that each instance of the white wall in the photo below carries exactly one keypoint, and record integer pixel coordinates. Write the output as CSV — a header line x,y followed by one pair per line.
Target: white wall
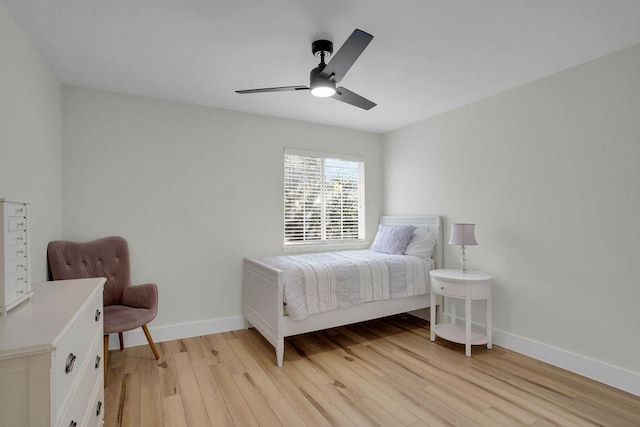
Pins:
x,y
30,148
550,173
193,189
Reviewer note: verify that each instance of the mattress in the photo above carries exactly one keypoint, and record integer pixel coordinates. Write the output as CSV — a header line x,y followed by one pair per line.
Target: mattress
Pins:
x,y
320,282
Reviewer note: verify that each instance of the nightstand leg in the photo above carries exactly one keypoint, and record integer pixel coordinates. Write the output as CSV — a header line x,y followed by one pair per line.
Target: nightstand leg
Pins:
x,y
452,311
432,311
467,322
489,327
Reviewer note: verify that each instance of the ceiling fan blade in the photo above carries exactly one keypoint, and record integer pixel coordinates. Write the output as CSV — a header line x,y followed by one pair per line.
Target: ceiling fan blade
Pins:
x,y
273,89
345,57
345,95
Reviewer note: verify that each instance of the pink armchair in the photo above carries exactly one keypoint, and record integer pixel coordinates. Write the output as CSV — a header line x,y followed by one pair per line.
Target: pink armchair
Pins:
x,y
126,307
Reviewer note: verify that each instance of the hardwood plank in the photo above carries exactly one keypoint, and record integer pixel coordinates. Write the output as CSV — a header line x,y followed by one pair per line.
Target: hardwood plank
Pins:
x,y
192,402
262,349
193,348
173,411
130,399
167,368
383,417
210,353
462,407
261,380
353,410
150,395
286,414
257,403
318,399
211,395
238,408
228,358
112,393
332,361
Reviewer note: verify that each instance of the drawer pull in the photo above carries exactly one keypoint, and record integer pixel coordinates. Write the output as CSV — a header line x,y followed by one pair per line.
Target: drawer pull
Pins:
x,y
20,292
97,315
20,225
99,408
20,238
73,424
21,266
19,211
97,365
71,360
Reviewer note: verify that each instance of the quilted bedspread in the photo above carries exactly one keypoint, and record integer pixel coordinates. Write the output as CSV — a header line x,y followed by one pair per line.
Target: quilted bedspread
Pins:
x,y
320,282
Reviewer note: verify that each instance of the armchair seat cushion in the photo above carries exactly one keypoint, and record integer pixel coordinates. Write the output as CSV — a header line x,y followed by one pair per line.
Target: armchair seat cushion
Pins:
x,y
120,318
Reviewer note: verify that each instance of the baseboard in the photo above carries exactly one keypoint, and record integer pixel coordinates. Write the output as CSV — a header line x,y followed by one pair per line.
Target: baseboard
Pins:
x,y
179,331
599,371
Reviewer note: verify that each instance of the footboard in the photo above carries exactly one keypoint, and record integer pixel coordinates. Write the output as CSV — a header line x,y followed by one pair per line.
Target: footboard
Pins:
x,y
262,302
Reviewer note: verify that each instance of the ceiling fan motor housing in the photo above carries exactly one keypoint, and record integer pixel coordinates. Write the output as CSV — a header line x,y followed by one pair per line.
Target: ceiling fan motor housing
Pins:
x,y
317,81
322,46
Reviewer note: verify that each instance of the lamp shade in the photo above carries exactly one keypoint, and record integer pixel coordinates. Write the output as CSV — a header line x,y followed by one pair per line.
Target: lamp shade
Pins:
x,y
463,234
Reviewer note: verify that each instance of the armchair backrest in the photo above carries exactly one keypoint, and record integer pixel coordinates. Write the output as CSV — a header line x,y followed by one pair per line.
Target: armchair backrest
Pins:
x,y
107,257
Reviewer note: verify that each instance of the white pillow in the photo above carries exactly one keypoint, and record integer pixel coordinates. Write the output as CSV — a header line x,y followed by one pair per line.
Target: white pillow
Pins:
x,y
392,239
422,243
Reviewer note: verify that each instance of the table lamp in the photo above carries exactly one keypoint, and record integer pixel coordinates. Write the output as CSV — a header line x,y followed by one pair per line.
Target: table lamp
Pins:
x,y
463,234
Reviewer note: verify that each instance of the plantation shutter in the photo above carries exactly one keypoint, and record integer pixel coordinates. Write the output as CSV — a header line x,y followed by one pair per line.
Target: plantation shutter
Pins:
x,y
323,198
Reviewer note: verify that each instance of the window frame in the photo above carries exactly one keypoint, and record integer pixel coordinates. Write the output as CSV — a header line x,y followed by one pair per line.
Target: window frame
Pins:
x,y
324,242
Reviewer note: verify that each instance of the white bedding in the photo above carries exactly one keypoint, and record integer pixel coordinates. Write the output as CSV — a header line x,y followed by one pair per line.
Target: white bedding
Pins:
x,y
320,282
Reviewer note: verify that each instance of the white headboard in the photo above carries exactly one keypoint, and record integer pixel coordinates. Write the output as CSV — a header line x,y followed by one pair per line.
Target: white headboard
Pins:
x,y
432,222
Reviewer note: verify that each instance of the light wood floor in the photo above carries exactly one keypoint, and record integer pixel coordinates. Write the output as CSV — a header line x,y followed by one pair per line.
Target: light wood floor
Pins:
x,y
379,373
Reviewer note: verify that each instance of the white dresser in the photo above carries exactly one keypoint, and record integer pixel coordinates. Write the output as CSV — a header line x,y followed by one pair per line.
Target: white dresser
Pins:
x,y
15,258
51,357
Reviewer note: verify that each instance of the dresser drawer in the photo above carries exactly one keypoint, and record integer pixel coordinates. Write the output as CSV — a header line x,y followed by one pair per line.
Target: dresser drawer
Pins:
x,y
16,237
95,414
82,399
15,266
16,280
15,293
16,251
74,350
15,209
17,223
449,289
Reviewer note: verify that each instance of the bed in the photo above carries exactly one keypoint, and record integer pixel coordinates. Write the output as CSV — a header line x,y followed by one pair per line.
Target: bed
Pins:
x,y
264,297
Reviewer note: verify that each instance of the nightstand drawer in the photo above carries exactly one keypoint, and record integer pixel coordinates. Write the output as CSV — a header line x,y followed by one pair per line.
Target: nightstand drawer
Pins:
x,y
449,289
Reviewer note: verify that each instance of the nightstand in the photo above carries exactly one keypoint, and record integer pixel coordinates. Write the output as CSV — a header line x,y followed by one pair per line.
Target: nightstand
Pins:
x,y
469,286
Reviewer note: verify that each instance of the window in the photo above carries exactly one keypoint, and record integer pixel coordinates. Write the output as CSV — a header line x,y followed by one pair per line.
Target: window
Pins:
x,y
323,198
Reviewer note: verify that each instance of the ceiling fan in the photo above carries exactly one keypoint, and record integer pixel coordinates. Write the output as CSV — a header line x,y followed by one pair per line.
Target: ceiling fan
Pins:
x,y
324,77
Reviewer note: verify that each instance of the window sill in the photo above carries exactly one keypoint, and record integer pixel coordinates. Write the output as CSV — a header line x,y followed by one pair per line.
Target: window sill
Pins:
x,y
325,247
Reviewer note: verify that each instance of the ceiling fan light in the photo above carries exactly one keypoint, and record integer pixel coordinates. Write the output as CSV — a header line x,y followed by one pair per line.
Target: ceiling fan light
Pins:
x,y
323,91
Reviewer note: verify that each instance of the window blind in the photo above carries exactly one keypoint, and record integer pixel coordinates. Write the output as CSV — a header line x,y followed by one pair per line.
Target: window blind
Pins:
x,y
323,198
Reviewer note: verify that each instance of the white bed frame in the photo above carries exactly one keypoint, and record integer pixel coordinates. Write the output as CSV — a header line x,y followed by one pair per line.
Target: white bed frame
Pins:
x,y
263,297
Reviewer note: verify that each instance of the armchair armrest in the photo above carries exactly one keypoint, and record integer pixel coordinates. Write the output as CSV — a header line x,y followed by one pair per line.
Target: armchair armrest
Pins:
x,y
141,296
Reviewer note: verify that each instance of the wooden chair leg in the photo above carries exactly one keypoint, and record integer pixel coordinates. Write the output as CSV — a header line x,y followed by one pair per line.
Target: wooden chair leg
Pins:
x,y
121,338
153,346
106,358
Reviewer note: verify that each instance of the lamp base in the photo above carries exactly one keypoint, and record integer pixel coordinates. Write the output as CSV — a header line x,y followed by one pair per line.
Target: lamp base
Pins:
x,y
463,260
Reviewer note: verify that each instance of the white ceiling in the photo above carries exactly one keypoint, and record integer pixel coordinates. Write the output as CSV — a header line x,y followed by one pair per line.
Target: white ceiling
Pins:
x,y
427,56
